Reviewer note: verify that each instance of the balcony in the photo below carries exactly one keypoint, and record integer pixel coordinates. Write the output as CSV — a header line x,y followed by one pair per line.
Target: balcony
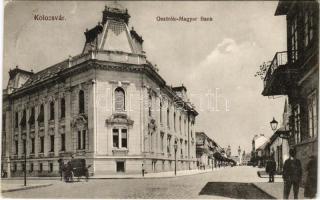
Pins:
x,y
280,75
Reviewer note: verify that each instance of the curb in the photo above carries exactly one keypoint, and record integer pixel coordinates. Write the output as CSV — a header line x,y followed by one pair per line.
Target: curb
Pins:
x,y
26,188
141,177
262,190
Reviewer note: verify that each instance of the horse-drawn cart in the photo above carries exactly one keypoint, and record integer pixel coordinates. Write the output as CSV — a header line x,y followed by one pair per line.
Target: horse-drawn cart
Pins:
x,y
75,168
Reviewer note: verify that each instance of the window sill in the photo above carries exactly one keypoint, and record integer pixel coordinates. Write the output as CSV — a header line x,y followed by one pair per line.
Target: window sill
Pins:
x,y
120,152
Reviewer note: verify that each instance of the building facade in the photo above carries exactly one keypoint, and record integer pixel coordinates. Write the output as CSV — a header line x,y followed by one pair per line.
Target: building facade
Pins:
x,y
279,143
295,73
209,154
107,105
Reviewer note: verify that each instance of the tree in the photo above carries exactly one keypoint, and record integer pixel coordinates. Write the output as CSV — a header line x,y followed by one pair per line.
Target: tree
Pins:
x,y
263,70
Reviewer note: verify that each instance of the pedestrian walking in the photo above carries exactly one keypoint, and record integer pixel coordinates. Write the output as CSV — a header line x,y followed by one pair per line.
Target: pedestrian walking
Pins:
x,y
143,170
310,190
271,168
292,174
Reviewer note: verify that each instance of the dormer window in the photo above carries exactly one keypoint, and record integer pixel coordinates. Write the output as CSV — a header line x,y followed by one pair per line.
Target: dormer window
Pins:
x,y
119,99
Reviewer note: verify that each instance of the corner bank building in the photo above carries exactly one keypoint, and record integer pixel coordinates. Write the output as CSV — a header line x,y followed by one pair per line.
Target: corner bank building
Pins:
x,y
107,105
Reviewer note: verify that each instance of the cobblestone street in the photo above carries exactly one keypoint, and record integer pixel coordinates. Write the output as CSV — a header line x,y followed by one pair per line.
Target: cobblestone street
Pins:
x,y
221,183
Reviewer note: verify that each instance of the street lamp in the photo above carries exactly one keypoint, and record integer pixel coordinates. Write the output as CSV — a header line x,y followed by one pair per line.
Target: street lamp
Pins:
x,y
175,157
24,138
274,124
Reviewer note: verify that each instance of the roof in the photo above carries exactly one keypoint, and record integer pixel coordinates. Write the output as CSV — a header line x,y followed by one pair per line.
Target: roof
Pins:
x,y
13,72
277,134
262,147
179,88
283,7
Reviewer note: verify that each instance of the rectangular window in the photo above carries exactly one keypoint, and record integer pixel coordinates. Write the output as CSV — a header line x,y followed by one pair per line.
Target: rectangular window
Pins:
x,y
297,132
168,143
62,108
3,122
31,167
84,133
79,139
50,167
16,120
160,112
150,106
15,167
162,142
115,137
23,166
168,118
294,39
51,143
31,120
40,167
16,146
120,166
124,138
313,115
32,145
51,110
63,142
174,121
180,125
308,27
24,143
42,144
23,121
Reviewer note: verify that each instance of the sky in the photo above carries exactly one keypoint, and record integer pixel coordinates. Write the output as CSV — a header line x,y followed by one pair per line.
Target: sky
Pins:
x,y
216,60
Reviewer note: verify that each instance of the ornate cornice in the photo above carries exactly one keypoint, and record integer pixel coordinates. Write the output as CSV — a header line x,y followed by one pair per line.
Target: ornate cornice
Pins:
x,y
119,118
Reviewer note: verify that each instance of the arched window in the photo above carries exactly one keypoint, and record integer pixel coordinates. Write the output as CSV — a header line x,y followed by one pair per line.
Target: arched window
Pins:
x,y
119,99
81,101
51,110
62,108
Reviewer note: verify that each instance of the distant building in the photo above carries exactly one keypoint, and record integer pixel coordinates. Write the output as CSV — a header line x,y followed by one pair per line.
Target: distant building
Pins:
x,y
279,146
209,154
246,158
259,148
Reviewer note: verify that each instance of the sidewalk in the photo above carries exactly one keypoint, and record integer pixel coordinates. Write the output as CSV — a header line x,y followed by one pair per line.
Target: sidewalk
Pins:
x,y
16,185
276,190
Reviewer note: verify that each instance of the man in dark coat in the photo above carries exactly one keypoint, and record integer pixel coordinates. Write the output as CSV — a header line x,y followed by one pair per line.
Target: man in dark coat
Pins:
x,y
271,168
310,190
292,174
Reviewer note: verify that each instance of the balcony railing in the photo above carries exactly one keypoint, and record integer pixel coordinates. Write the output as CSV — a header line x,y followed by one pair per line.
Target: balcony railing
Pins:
x,y
281,58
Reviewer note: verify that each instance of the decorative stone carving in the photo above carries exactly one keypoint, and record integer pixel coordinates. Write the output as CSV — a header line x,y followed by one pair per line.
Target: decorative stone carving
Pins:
x,y
152,125
80,122
119,118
